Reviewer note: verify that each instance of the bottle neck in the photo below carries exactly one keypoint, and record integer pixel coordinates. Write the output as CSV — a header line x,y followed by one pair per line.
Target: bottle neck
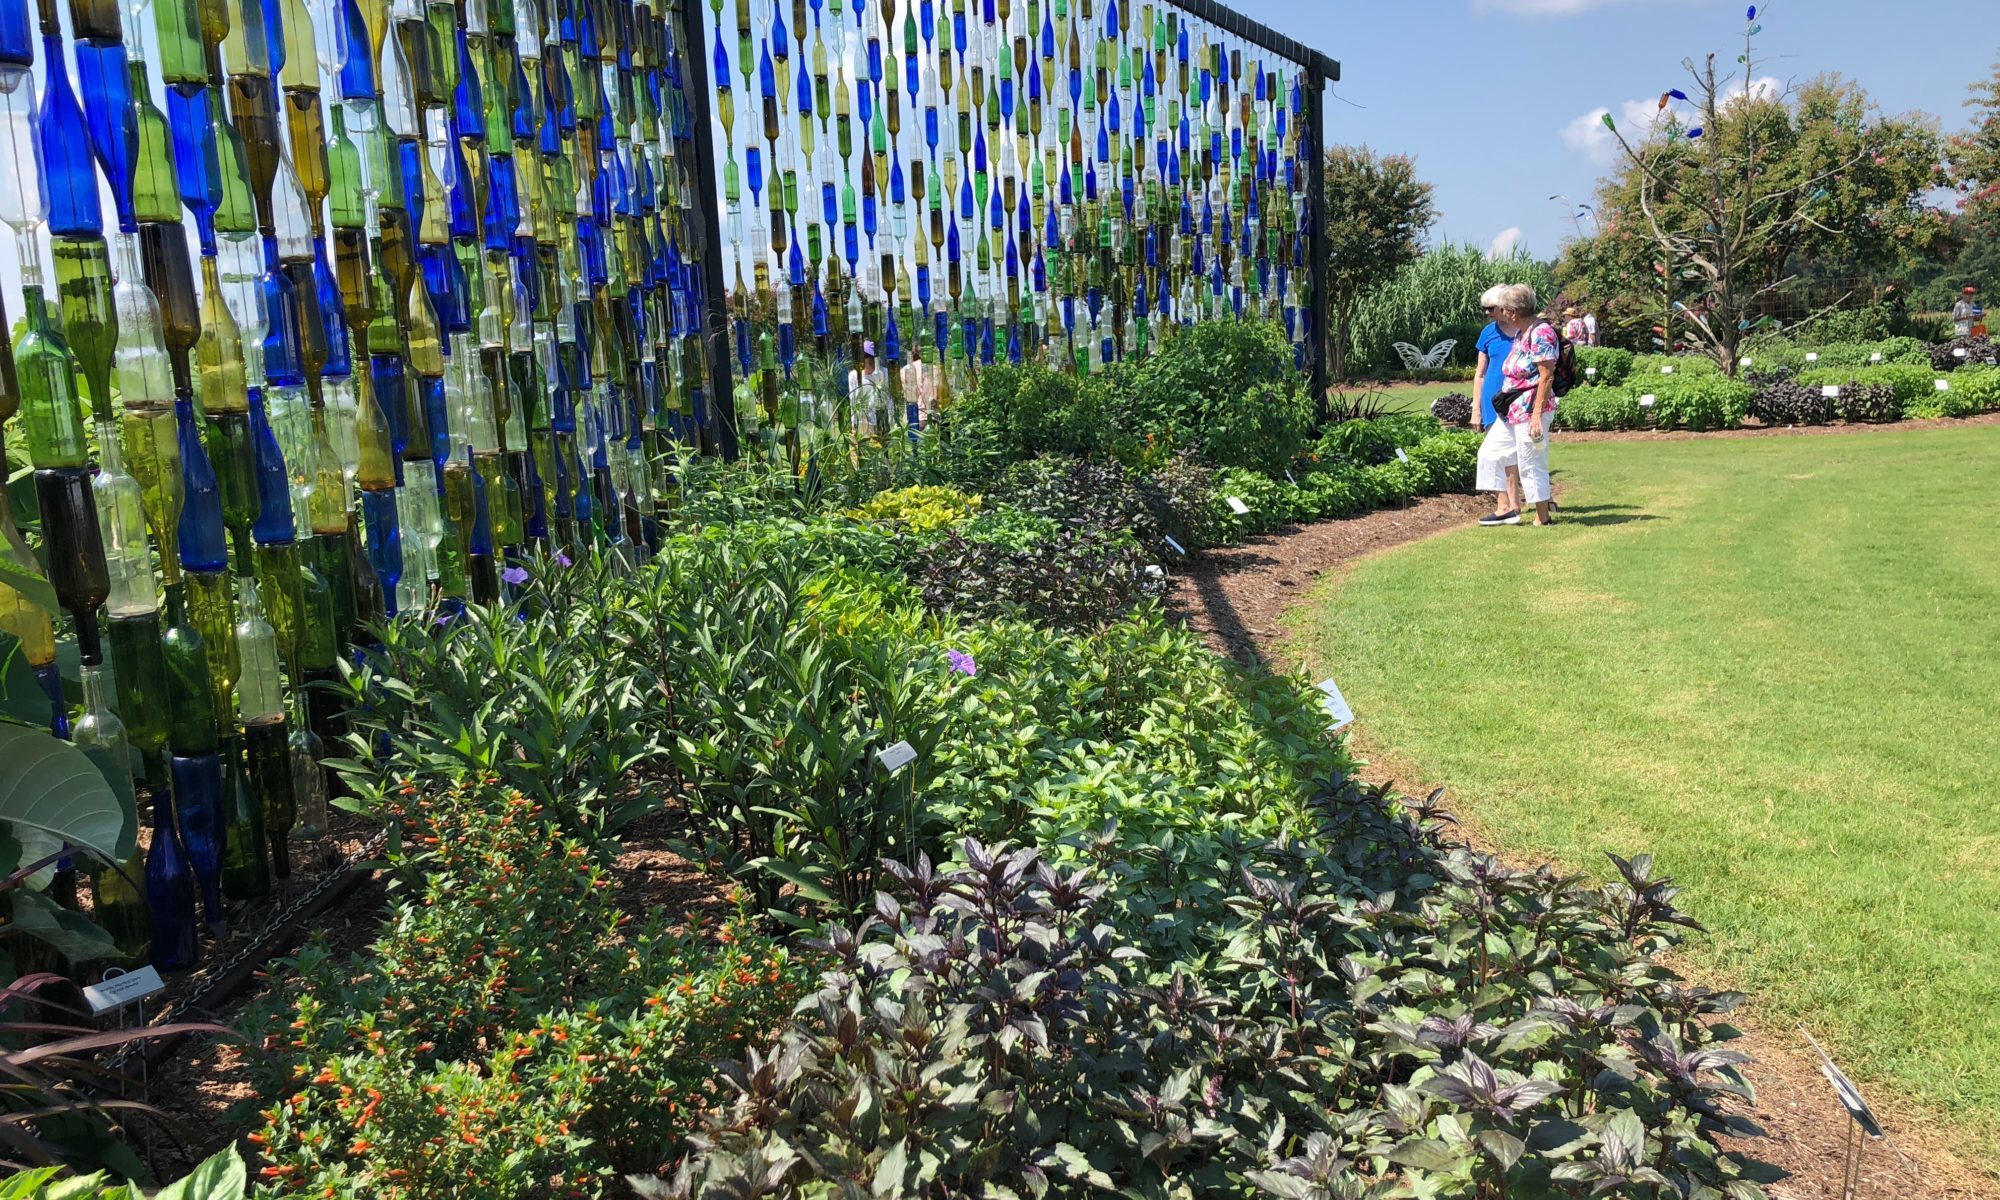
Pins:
x,y
96,689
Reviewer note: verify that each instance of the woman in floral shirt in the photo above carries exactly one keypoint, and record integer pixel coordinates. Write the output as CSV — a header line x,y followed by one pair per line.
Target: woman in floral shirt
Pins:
x,y
1514,460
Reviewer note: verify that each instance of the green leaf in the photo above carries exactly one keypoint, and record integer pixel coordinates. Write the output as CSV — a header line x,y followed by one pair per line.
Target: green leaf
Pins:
x,y
221,1177
27,579
889,1173
1426,1154
1503,1147
41,918
50,786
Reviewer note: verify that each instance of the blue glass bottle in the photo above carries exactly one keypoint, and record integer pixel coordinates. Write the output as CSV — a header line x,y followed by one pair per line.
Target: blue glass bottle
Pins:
x,y
66,152
170,885
17,35
198,805
197,163
202,534
274,524
103,78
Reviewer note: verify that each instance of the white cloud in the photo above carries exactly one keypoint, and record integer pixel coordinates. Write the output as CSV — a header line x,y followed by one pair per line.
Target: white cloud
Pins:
x,y
1638,118
1506,243
1588,136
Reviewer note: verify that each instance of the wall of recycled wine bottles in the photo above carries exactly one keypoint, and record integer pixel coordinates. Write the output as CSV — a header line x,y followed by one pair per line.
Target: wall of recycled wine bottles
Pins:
x,y
328,311
954,183
325,313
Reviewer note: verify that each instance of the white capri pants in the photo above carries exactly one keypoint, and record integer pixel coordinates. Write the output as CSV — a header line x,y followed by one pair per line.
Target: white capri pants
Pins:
x,y
1509,446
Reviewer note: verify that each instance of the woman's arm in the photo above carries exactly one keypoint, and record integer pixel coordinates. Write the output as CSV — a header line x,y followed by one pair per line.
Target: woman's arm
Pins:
x,y
1544,388
1478,390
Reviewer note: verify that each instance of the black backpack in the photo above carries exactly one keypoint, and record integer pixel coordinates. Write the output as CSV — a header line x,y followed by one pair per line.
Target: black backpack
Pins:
x,y
1566,372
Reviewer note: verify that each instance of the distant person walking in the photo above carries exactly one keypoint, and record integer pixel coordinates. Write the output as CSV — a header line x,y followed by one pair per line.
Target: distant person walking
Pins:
x,y
1590,328
1966,313
1574,326
1493,348
1514,459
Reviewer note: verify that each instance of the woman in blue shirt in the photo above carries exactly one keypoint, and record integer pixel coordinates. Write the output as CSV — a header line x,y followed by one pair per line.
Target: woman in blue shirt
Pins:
x,y
1494,346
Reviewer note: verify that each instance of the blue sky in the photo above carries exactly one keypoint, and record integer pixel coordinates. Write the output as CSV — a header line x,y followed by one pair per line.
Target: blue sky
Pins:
x,y
1482,91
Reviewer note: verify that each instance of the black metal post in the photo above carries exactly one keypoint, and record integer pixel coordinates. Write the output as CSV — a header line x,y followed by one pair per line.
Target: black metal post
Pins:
x,y
714,333
1322,307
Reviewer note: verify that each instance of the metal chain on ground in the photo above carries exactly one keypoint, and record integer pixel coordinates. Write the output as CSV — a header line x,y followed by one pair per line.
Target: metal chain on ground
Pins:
x,y
199,997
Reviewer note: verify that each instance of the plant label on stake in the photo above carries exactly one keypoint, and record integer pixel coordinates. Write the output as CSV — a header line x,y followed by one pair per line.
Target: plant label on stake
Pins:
x,y
1961,352
1813,356
1156,571
1590,372
121,990
1666,370
1830,392
1648,400
1875,357
895,758
1843,1087
1745,362
1237,506
1175,546
1402,455
1943,385
1336,706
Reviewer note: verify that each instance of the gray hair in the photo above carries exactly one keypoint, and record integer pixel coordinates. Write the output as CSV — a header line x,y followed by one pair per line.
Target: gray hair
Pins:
x,y
1516,298
1490,298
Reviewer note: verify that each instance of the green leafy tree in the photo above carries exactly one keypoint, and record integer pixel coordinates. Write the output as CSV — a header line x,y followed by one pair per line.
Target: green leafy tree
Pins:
x,y
1974,156
1728,198
1376,213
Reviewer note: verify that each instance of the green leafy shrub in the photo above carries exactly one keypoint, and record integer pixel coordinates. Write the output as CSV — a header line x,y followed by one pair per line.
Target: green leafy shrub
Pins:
x,y
920,509
1978,387
1180,495
1699,402
1601,408
1206,379
1613,365
1263,429
1912,384
1847,325
1649,368
1005,525
1366,442
1032,409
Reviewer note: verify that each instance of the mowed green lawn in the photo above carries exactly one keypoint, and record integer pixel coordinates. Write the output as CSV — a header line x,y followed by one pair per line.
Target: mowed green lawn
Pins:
x,y
1775,664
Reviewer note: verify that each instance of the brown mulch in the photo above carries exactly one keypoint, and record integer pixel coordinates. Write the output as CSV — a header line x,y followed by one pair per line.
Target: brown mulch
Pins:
x,y
1237,598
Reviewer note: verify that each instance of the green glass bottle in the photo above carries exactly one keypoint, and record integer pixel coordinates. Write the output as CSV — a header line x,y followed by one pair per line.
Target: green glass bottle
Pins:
x,y
193,727
90,322
266,736
156,195
120,908
246,866
147,430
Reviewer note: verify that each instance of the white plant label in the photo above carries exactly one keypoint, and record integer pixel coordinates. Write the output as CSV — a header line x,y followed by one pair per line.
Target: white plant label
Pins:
x,y
1402,455
1875,357
1648,401
121,990
1176,547
1959,353
1336,706
1745,362
1666,370
1830,392
1590,372
895,758
1943,385
1237,506
1813,357
1156,571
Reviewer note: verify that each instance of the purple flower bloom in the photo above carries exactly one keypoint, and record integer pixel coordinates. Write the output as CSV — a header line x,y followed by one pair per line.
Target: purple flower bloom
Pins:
x,y
562,560
514,576
443,619
962,663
